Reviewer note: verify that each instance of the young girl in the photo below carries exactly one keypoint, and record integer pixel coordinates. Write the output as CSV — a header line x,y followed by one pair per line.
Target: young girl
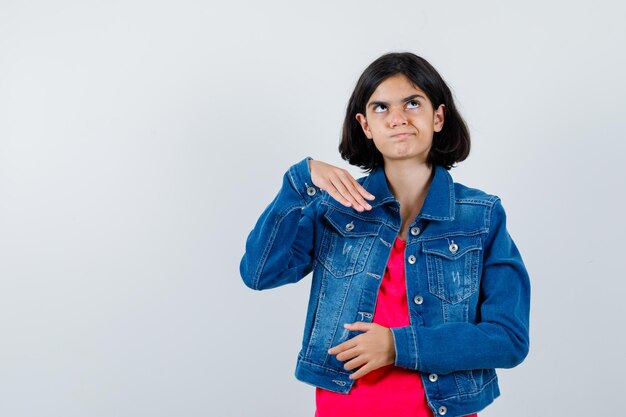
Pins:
x,y
418,291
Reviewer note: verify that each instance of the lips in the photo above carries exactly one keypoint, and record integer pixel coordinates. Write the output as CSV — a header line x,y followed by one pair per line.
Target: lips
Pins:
x,y
401,135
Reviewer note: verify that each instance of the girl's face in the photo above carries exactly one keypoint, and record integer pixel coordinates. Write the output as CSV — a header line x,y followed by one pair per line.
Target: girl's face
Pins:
x,y
400,119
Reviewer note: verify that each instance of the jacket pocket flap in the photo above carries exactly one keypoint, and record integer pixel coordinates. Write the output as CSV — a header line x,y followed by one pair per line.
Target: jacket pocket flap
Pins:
x,y
350,226
452,247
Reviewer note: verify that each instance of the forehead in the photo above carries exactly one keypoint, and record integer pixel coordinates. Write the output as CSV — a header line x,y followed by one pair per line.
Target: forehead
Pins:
x,y
395,88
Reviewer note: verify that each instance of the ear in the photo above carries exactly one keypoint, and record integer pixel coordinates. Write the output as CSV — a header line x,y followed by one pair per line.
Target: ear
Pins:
x,y
438,118
363,122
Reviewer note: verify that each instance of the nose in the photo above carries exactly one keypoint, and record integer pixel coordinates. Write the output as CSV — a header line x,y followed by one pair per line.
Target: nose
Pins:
x,y
397,117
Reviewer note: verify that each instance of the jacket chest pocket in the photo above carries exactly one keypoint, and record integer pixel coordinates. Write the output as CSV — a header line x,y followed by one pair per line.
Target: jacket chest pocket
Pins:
x,y
452,265
346,242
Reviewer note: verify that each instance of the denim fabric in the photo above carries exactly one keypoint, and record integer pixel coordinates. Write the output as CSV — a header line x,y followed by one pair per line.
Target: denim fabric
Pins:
x,y
467,286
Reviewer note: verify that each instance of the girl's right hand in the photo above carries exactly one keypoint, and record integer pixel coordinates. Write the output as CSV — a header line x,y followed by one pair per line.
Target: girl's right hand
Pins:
x,y
339,184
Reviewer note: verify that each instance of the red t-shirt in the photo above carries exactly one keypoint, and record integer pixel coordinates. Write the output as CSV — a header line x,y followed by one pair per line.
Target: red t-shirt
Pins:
x,y
390,390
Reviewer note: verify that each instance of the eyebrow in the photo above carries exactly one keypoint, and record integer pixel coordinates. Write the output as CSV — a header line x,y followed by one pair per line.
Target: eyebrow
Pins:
x,y
384,103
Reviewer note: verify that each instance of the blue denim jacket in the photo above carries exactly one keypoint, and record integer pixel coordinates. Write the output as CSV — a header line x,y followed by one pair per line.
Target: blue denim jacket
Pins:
x,y
466,283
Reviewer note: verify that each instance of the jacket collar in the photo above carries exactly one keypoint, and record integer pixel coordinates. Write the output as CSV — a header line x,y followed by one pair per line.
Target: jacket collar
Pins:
x,y
439,202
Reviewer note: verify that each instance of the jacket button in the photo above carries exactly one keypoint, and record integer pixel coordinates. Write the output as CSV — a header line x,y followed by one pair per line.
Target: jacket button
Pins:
x,y
310,190
453,247
412,259
418,299
433,377
415,231
442,410
350,226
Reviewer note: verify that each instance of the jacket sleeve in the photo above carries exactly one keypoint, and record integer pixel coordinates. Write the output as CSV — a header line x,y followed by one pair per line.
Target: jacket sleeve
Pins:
x,y
279,249
500,339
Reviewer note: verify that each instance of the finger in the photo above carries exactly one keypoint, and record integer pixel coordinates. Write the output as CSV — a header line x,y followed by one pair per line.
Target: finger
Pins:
x,y
355,363
359,193
360,325
354,188
335,192
348,344
348,354
364,192
364,370
339,185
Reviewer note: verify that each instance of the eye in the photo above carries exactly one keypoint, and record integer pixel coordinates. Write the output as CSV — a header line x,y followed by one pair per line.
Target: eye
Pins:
x,y
377,107
413,104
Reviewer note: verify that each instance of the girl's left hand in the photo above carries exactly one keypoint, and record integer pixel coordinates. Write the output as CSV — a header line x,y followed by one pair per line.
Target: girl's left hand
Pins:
x,y
370,350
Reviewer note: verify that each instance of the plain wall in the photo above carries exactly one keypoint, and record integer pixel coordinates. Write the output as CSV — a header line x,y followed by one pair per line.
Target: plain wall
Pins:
x,y
141,140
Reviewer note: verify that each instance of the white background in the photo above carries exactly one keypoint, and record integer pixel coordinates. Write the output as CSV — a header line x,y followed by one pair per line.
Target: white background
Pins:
x,y
140,141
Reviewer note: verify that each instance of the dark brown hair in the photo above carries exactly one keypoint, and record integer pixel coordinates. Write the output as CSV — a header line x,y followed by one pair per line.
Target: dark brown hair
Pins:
x,y
450,145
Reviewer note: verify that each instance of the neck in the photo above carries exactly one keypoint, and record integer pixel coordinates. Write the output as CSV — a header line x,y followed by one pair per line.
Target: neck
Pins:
x,y
408,181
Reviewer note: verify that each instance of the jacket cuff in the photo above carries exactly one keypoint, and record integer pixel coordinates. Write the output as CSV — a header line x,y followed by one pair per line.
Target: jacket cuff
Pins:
x,y
405,343
300,178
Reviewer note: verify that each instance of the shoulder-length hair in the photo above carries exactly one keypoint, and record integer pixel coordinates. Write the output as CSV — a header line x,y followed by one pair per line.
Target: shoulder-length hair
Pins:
x,y
450,145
